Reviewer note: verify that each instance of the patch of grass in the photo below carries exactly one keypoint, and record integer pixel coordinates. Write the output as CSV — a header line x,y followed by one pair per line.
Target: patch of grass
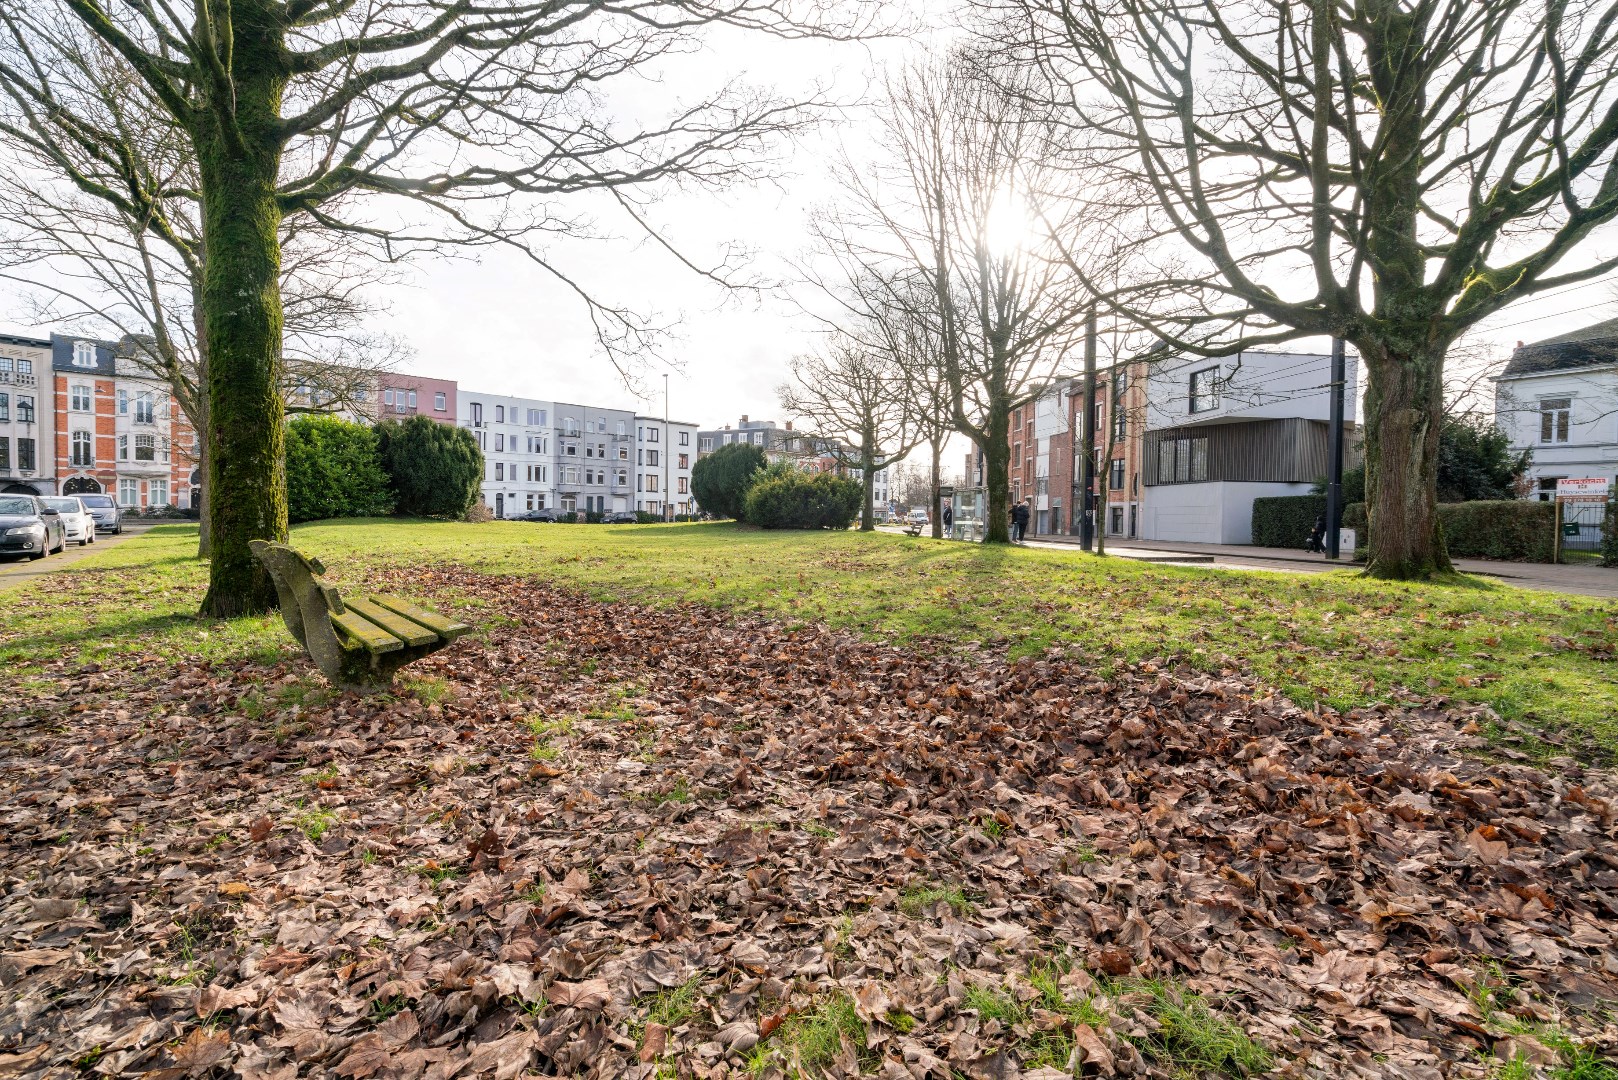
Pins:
x,y
919,900
428,689
544,726
670,1008
435,873
815,828
1192,1036
382,1008
623,714
679,792
314,822
900,1021
994,1003
544,751
814,1038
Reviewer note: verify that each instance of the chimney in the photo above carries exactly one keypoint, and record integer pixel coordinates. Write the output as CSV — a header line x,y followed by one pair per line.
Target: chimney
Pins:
x,y
789,425
744,418
1519,344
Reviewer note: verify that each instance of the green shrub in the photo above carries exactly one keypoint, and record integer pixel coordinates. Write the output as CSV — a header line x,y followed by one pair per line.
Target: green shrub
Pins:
x,y
645,517
593,517
435,469
1515,530
799,500
721,479
1285,521
334,470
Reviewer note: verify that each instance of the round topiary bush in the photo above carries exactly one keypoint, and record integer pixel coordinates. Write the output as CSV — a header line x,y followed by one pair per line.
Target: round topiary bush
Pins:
x,y
789,499
721,479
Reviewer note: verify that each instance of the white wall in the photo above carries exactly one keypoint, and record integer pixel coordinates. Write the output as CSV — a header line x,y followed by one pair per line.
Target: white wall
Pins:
x,y
1213,513
1257,386
1592,446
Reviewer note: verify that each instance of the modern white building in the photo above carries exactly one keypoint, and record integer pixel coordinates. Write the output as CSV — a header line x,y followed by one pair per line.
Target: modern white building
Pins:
x,y
1559,399
1223,432
518,444
665,453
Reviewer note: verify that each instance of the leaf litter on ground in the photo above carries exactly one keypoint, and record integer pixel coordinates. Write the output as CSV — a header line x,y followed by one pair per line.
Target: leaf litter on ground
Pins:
x,y
749,849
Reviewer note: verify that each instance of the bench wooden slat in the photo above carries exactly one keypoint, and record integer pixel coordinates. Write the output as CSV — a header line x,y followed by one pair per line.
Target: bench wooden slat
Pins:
x,y
373,637
438,624
403,629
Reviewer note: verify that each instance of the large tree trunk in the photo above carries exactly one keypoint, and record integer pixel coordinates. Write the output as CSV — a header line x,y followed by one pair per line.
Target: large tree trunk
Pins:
x,y
937,486
246,479
868,486
997,477
1404,408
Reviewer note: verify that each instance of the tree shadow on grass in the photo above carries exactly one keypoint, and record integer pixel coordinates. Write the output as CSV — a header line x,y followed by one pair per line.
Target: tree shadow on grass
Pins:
x,y
138,633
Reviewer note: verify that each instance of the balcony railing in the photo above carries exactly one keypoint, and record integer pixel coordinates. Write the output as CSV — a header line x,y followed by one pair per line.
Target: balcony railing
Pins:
x,y
17,378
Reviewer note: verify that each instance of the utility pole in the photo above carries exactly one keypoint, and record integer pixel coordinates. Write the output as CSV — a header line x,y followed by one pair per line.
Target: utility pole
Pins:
x,y
1087,452
1334,476
668,441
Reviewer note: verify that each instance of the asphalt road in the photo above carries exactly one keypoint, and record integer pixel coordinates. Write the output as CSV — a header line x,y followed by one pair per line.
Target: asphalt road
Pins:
x,y
19,570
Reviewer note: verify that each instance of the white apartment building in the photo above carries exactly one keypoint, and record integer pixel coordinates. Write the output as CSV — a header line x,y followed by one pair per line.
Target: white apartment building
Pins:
x,y
1223,432
665,453
518,443
1559,398
27,417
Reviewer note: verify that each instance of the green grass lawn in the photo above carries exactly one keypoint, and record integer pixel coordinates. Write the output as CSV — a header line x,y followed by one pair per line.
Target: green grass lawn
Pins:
x,y
1541,658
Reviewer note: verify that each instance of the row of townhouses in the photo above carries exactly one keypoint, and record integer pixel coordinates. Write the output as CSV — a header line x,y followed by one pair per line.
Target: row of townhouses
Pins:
x,y
79,416
1182,445
1559,398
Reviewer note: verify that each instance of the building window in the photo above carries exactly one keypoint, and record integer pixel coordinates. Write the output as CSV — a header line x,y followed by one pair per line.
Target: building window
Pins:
x,y
477,413
622,478
84,354
5,454
1554,417
79,397
705,444
123,403
145,408
570,426
651,481
499,439
82,452
412,399
123,448
685,461
622,429
5,406
570,449
25,454
145,448
128,493
1115,520
499,414
1205,389
157,493
499,470
682,483
1547,488
1182,461
438,403
25,410
685,438
1120,421
1116,481
652,435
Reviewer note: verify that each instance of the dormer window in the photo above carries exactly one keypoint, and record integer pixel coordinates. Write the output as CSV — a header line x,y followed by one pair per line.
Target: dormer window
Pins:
x,y
84,354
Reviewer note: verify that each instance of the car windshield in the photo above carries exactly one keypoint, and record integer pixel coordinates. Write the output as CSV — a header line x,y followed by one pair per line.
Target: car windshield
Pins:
x,y
15,505
65,505
96,500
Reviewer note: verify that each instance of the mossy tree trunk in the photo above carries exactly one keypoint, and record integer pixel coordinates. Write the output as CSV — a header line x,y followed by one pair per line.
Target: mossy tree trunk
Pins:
x,y
1404,411
239,143
937,491
996,445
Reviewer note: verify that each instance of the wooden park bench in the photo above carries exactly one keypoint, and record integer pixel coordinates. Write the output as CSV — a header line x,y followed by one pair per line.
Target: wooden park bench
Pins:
x,y
356,644
913,528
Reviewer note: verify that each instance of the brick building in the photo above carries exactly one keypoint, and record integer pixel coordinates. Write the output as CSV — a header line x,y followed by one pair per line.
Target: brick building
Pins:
x,y
118,430
27,419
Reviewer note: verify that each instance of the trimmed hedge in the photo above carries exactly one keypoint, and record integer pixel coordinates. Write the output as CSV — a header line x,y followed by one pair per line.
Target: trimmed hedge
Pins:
x,y
334,470
1285,521
1513,530
721,479
795,500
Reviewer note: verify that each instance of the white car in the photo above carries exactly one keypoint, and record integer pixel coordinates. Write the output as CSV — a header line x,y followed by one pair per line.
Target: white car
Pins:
x,y
78,526
917,517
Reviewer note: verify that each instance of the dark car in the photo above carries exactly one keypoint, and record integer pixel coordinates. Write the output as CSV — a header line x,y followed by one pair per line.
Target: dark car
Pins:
x,y
29,527
105,510
539,515
619,517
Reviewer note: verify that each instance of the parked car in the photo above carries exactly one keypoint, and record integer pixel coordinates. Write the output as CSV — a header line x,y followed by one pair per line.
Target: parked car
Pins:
x,y
540,515
918,517
619,517
78,527
105,510
29,527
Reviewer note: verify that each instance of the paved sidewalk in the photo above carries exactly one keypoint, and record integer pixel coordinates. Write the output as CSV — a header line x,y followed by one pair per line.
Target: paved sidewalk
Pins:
x,y
15,571
1578,578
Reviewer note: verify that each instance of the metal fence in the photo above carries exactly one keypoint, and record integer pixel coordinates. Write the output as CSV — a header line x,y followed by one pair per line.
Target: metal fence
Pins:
x,y
1582,523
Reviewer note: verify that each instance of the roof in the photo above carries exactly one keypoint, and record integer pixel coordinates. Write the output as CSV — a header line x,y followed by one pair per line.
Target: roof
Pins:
x,y
1593,346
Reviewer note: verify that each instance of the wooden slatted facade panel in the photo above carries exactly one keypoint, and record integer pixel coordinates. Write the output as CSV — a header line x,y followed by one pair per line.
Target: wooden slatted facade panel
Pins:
x,y
1285,451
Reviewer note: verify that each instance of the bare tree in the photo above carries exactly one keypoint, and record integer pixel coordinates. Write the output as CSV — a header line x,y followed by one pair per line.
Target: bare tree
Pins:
x,y
84,261
966,201
483,115
851,400
1380,171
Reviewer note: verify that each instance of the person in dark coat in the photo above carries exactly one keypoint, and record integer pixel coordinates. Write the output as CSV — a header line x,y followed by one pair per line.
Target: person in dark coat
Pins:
x,y
1317,536
1019,521
949,518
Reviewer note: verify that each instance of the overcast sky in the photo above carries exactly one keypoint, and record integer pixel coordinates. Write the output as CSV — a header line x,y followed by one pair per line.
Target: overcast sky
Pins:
x,y
501,324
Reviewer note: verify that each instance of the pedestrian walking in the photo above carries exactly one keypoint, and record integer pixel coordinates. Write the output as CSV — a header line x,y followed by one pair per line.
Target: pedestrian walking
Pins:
x,y
949,518
1019,521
